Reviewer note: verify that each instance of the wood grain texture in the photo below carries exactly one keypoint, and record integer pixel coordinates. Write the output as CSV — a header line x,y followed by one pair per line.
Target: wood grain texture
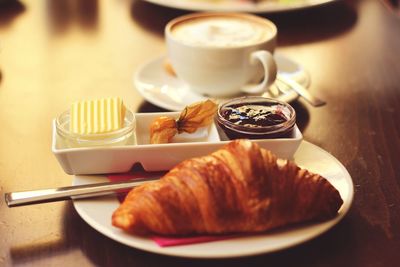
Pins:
x,y
55,52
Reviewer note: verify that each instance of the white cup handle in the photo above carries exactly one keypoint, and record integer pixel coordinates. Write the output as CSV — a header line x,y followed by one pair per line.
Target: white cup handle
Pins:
x,y
270,70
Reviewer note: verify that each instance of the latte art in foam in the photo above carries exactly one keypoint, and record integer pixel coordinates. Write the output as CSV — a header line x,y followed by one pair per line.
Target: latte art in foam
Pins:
x,y
220,32
222,54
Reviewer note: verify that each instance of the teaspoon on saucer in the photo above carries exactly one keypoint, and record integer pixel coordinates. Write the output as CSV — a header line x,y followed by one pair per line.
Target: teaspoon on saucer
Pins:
x,y
298,88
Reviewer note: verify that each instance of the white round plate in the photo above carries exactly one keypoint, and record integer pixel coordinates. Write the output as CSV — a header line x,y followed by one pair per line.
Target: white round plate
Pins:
x,y
97,213
262,6
164,90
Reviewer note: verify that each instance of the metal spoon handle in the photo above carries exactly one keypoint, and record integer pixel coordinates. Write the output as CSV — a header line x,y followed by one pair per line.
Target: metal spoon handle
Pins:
x,y
14,199
313,100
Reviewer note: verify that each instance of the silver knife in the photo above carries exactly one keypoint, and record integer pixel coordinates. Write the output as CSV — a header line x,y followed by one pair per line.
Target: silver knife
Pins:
x,y
15,199
301,91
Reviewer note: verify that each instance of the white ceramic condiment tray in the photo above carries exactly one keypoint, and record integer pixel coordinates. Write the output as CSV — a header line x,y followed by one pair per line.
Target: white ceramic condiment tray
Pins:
x,y
154,157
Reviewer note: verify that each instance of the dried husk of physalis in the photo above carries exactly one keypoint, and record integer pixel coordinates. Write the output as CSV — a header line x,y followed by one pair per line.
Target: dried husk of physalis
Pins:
x,y
162,130
193,117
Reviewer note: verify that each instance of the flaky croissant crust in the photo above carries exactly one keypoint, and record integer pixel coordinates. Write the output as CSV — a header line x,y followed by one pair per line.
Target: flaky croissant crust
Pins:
x,y
240,188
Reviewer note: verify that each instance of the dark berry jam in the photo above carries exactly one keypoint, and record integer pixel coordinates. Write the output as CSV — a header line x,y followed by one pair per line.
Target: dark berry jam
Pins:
x,y
254,115
256,118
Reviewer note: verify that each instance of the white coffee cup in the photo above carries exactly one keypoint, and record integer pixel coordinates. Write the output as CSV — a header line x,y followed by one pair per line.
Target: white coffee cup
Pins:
x,y
222,54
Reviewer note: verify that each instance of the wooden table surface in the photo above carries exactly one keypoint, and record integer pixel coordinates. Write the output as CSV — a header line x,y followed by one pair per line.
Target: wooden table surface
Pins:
x,y
53,52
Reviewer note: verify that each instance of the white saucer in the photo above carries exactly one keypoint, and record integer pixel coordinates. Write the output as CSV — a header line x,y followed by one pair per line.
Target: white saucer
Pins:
x,y
241,6
162,89
97,213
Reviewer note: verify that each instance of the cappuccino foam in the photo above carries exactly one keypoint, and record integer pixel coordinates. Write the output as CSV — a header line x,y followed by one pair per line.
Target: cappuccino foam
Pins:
x,y
220,31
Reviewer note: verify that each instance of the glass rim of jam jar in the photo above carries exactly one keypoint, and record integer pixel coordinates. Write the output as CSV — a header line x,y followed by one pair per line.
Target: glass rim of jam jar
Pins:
x,y
259,131
87,140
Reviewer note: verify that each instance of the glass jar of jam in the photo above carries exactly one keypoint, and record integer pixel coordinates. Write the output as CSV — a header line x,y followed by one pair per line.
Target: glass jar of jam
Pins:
x,y
255,117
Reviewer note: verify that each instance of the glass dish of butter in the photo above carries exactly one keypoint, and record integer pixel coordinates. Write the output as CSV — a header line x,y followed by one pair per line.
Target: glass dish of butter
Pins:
x,y
99,122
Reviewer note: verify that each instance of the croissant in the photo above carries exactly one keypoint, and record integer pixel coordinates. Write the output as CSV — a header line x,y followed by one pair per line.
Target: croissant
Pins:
x,y
240,188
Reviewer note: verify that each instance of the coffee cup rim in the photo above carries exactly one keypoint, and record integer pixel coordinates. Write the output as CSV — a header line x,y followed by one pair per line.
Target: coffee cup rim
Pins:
x,y
258,19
